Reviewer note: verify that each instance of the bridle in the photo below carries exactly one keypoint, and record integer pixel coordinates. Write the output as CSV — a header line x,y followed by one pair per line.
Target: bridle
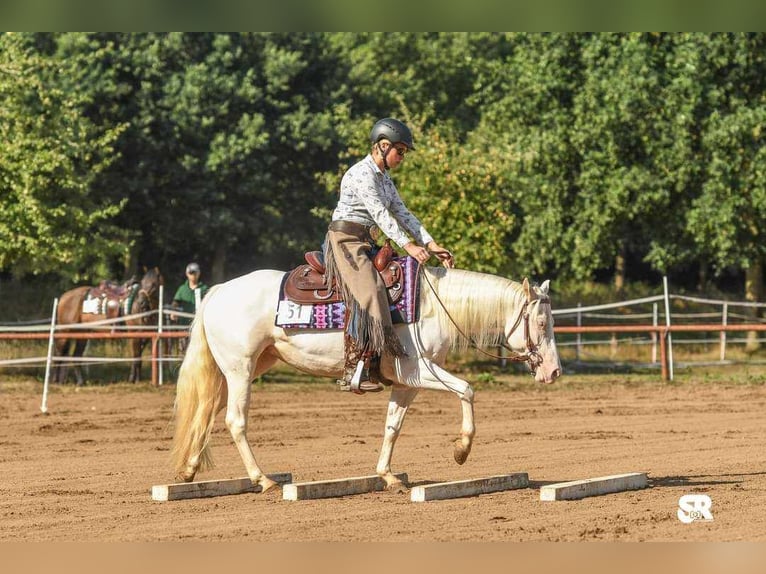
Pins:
x,y
144,301
532,355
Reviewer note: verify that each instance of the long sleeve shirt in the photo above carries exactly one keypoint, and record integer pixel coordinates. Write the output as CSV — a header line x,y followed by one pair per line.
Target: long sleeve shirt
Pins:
x,y
369,196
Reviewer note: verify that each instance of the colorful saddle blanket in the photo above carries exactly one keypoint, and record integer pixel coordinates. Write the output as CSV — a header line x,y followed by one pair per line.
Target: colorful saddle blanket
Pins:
x,y
292,315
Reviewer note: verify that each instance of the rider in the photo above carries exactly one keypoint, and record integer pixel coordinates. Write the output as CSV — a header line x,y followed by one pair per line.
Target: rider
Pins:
x,y
368,198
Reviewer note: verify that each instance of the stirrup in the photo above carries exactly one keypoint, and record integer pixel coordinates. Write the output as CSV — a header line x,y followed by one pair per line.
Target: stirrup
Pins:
x,y
356,380
360,383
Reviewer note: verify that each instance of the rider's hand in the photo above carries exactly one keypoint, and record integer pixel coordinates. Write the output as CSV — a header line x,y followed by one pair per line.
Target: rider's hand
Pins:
x,y
420,254
446,258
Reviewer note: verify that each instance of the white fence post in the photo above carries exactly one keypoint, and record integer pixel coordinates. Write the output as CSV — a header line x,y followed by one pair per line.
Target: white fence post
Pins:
x,y
160,319
724,322
44,405
667,324
655,322
579,336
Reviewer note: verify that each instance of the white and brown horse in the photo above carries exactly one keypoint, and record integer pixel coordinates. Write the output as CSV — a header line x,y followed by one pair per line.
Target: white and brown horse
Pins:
x,y
234,340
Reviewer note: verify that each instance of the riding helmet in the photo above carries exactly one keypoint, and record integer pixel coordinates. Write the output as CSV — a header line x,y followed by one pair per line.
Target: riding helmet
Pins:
x,y
393,130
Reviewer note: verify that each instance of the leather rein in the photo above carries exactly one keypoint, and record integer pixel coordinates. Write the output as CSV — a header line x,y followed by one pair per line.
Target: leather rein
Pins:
x,y
531,356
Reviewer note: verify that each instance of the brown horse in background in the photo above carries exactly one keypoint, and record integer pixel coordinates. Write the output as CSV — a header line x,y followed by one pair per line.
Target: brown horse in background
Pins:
x,y
142,296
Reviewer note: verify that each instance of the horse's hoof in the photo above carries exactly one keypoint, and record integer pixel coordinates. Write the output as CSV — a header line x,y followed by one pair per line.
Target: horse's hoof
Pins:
x,y
397,488
267,484
461,453
187,474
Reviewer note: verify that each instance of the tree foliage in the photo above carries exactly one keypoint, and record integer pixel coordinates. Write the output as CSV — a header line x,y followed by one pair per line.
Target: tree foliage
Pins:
x,y
538,154
52,219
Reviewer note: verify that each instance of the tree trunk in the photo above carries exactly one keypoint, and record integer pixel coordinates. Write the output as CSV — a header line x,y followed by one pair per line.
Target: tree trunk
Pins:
x,y
702,277
218,269
619,288
619,272
753,292
130,262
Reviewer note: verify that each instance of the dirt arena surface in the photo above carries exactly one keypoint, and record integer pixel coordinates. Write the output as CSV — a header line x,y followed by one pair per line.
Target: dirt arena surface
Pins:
x,y
84,472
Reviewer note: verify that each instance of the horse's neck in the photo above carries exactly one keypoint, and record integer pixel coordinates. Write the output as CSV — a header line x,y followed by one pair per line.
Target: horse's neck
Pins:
x,y
460,285
475,304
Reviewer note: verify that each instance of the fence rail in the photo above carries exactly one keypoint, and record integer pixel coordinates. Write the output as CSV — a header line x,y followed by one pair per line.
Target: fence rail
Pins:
x,y
660,331
661,334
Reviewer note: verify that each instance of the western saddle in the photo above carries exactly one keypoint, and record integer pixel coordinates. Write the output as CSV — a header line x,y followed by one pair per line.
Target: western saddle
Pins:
x,y
111,297
307,283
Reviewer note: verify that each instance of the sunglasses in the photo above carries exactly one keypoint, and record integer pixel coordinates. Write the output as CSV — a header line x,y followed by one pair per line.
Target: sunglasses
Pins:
x,y
401,150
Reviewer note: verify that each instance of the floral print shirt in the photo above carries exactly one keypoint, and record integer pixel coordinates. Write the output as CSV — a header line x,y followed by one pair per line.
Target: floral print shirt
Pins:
x,y
369,196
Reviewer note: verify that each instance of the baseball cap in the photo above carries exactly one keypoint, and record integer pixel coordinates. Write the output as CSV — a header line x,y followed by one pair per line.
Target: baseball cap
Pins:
x,y
192,268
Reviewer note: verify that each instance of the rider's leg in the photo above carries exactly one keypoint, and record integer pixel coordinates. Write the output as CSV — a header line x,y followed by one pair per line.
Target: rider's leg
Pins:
x,y
369,331
356,374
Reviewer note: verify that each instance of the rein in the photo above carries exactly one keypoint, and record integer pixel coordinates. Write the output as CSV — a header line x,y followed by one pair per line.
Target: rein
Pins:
x,y
531,356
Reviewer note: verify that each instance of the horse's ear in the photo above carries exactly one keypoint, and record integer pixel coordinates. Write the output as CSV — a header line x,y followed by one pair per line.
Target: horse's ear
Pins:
x,y
545,286
527,290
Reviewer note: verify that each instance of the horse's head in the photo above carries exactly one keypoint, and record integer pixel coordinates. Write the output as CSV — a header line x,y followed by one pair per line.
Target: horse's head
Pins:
x,y
532,333
150,283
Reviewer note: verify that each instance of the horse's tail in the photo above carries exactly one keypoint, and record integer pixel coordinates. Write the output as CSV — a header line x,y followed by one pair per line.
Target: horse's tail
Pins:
x,y
200,394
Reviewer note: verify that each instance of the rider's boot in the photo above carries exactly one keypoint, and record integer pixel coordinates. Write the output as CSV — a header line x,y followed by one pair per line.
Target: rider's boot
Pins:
x,y
356,374
375,373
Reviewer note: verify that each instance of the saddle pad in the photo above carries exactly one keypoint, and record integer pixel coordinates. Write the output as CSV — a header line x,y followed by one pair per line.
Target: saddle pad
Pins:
x,y
331,316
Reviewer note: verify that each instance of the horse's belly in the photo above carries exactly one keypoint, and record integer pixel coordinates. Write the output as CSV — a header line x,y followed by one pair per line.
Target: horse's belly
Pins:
x,y
316,353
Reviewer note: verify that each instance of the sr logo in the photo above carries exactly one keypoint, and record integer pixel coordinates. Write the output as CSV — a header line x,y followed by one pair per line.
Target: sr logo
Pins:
x,y
693,507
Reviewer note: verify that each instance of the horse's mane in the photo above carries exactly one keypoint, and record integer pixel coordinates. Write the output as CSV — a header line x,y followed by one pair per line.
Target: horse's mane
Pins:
x,y
477,302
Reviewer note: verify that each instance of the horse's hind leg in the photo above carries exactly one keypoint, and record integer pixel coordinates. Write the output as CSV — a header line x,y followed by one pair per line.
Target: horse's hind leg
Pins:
x,y
401,399
237,407
79,351
62,350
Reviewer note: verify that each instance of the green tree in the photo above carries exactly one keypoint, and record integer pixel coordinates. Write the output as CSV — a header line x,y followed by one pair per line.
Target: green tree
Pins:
x,y
457,188
526,97
51,218
227,133
729,213
616,116
461,196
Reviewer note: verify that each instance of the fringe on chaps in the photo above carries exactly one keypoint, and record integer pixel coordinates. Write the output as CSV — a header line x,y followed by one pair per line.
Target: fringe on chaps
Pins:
x,y
347,259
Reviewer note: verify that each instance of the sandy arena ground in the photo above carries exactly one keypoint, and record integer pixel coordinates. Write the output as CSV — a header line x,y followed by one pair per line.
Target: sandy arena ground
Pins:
x,y
84,472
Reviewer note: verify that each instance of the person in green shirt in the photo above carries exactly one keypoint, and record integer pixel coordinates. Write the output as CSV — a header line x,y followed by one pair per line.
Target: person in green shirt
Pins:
x,y
185,298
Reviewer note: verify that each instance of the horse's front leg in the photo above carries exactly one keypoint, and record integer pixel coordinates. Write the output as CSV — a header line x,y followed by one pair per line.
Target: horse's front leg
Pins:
x,y
401,398
432,376
135,367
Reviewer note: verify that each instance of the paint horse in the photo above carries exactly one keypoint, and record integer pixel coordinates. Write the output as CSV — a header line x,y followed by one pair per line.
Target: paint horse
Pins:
x,y
234,339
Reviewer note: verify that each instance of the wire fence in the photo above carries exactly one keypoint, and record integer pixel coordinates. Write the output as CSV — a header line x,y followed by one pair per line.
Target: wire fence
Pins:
x,y
727,339
583,334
